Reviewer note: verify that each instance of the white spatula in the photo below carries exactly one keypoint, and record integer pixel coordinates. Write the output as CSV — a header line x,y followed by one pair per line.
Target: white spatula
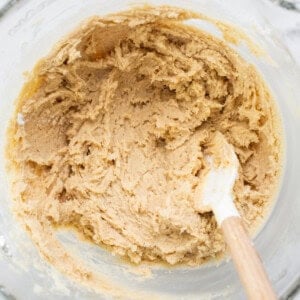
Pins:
x,y
216,195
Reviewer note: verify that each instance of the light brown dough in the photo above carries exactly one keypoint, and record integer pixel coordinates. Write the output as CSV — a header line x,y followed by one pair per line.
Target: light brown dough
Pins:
x,y
114,134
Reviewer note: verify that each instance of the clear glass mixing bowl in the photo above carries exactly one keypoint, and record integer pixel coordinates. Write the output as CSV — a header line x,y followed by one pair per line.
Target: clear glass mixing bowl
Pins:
x,y
28,31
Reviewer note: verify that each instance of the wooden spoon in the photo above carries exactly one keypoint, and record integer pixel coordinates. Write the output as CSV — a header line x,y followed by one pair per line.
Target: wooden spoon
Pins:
x,y
216,196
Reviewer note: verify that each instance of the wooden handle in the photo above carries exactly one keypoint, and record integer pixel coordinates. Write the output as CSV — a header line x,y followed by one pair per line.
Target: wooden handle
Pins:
x,y
246,260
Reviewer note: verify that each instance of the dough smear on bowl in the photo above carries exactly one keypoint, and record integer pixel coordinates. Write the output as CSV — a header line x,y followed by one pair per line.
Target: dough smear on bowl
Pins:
x,y
112,132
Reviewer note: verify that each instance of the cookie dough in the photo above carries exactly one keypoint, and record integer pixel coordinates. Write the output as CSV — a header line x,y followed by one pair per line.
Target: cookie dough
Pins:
x,y
114,126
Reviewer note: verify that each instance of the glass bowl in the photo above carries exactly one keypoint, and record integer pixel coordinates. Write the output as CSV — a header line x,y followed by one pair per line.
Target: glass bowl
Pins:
x,y
28,32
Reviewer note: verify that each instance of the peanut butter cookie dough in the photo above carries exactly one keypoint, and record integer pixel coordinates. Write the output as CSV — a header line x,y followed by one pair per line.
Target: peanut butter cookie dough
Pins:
x,y
111,133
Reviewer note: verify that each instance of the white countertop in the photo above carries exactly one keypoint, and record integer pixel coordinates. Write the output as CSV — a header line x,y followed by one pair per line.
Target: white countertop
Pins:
x,y
287,22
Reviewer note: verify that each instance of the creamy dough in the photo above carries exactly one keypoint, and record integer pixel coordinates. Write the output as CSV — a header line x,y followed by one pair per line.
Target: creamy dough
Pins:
x,y
115,123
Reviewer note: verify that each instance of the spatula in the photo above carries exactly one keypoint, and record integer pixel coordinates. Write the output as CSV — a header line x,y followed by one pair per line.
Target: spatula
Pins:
x,y
216,195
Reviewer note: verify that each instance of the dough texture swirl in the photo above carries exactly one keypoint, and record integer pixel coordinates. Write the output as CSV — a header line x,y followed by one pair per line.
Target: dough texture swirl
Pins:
x,y
116,121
